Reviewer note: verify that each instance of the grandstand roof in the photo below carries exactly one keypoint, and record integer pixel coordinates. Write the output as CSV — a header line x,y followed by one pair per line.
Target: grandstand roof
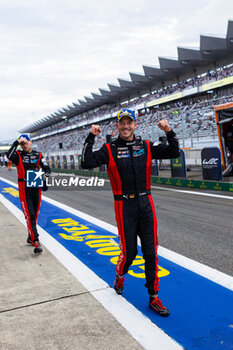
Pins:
x,y
213,52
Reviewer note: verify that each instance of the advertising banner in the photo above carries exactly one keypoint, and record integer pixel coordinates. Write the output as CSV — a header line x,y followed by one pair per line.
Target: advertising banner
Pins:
x,y
211,163
155,168
216,84
165,99
178,168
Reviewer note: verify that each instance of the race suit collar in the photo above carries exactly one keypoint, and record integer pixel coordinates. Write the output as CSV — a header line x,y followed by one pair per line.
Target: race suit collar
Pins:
x,y
127,143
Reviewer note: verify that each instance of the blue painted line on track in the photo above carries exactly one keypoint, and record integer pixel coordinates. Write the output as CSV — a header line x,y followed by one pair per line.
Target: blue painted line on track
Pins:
x,y
201,310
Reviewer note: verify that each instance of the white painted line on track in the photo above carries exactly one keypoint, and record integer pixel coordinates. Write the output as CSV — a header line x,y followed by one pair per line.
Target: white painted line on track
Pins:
x,y
199,268
138,325
193,192
192,265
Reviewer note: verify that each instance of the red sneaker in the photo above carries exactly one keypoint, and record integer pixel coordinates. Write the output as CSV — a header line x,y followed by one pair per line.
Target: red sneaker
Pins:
x,y
37,248
156,304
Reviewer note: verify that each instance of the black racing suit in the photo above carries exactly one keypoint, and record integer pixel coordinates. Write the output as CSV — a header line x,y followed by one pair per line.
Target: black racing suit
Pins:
x,y
129,167
30,198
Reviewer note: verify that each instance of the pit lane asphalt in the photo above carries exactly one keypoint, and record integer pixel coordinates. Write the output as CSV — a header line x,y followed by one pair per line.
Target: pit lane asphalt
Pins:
x,y
198,227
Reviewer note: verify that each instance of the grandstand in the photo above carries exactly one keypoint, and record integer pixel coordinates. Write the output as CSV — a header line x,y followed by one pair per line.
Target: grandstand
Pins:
x,y
184,91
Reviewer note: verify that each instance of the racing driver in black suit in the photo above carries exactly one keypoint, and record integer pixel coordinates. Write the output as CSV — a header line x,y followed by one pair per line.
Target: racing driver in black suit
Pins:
x,y
129,164
30,197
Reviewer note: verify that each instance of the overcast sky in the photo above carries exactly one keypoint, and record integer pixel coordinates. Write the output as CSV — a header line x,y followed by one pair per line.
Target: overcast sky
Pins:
x,y
53,52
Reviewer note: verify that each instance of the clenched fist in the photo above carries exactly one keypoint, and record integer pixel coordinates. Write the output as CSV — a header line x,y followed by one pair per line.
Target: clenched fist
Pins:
x,y
163,125
95,130
22,140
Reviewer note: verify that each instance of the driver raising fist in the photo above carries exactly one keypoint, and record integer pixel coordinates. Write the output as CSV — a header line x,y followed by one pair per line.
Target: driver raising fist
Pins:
x,y
129,164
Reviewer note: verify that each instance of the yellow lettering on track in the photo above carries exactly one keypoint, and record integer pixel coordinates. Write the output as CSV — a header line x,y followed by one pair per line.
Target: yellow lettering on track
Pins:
x,y
98,237
80,233
73,223
110,251
139,262
100,243
76,228
11,190
59,221
71,238
161,272
105,243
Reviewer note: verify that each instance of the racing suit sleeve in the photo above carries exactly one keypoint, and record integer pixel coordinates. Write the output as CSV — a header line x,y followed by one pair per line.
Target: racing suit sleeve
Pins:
x,y
92,159
172,150
44,165
12,155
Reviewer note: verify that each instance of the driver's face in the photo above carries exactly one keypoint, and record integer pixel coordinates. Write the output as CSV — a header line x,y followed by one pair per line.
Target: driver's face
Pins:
x,y
126,127
26,146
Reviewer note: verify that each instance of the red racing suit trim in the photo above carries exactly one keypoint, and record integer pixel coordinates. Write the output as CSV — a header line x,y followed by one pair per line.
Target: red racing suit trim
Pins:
x,y
38,208
148,166
113,173
118,206
20,167
115,180
148,187
38,163
156,283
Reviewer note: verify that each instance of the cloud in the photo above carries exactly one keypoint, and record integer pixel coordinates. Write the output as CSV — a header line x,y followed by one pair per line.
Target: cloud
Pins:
x,y
55,52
